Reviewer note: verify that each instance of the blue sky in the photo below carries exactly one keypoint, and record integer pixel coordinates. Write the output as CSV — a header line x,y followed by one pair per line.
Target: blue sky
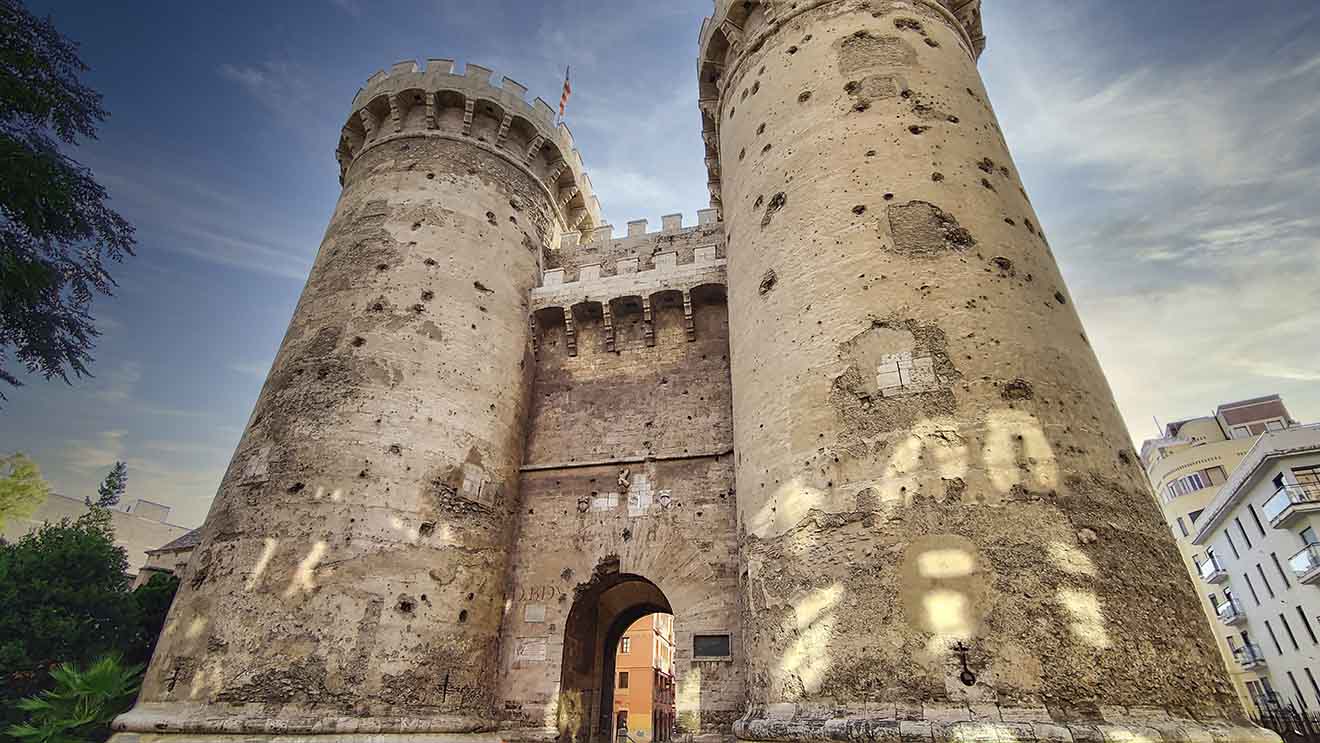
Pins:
x,y
1172,150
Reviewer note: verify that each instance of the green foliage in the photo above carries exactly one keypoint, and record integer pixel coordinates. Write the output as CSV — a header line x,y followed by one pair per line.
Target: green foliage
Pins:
x,y
63,598
56,232
112,487
80,705
153,599
22,491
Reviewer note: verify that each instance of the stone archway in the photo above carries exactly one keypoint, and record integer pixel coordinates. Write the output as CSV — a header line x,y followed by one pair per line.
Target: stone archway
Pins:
x,y
602,611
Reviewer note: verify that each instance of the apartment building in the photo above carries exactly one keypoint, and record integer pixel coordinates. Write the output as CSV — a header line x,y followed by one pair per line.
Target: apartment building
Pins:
x,y
1188,467
644,681
1259,558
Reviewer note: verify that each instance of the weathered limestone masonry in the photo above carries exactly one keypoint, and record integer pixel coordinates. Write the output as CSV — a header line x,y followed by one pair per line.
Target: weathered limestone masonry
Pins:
x,y
628,482
496,434
352,569
944,531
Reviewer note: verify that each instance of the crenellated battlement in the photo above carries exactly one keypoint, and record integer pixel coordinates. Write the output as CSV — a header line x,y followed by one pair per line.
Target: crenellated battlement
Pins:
x,y
664,263
433,100
670,224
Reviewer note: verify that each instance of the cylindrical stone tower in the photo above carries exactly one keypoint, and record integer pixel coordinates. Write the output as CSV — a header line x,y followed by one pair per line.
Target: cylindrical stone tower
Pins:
x,y
350,577
942,520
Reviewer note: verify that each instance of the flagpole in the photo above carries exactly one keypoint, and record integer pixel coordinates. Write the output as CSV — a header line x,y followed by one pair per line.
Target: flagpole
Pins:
x,y
564,94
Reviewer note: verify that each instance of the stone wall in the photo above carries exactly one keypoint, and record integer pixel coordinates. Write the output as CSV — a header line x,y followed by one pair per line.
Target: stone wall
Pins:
x,y
628,470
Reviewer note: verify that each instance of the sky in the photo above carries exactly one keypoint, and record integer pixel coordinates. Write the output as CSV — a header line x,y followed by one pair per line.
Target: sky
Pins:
x,y
1171,149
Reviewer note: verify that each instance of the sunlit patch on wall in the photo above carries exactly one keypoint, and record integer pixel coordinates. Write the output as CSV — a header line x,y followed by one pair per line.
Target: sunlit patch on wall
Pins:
x,y
1017,453
1069,559
809,657
944,587
267,552
302,579
1087,620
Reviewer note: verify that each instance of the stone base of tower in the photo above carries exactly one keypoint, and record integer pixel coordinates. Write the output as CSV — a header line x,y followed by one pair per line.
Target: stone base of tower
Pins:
x,y
790,723
289,723
305,738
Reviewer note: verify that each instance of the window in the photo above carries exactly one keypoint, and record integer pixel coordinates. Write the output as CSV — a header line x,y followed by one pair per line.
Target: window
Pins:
x,y
712,646
1274,638
1308,536
1186,485
1274,426
625,645
1288,628
1251,588
1254,517
623,679
1306,624
1314,686
1279,568
1308,478
1194,515
1297,689
1245,538
1232,546
1261,571
1183,527
1241,432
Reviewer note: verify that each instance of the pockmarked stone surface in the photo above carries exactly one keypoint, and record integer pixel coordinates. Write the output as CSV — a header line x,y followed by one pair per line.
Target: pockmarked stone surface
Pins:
x,y
847,429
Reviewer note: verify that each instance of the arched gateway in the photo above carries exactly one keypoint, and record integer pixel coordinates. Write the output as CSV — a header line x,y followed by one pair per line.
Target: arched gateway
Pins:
x,y
602,611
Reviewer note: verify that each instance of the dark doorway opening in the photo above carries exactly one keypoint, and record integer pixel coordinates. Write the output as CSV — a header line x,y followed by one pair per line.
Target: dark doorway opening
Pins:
x,y
602,612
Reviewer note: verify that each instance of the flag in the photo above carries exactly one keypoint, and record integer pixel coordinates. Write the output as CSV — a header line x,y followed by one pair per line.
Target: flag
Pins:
x,y
563,97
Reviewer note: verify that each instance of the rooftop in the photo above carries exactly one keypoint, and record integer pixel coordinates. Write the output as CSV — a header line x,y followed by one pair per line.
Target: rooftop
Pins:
x,y
1270,446
187,541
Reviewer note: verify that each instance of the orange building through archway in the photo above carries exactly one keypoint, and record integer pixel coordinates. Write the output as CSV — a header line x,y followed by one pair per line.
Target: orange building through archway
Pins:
x,y
644,680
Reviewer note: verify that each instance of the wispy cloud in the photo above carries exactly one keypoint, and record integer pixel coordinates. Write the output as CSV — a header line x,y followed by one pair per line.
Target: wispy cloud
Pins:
x,y
1178,197
98,453
256,369
351,7
192,216
118,385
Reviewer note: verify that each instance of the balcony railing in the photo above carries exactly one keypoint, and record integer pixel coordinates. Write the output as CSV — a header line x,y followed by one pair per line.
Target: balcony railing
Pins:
x,y
1230,612
1211,572
1306,563
1290,500
1249,656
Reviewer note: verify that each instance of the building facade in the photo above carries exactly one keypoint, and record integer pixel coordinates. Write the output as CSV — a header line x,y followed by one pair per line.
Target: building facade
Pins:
x,y
644,681
170,558
847,430
139,527
1258,543
1187,467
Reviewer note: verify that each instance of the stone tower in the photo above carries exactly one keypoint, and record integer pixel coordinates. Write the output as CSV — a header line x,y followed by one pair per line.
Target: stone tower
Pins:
x,y
943,522
361,533
496,434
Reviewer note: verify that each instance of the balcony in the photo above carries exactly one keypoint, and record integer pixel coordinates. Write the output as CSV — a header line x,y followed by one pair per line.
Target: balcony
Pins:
x,y
1211,572
1289,502
1249,657
1230,612
1306,564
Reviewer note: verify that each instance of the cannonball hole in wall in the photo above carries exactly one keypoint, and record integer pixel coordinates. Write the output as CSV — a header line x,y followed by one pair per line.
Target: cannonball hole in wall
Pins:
x,y
462,617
